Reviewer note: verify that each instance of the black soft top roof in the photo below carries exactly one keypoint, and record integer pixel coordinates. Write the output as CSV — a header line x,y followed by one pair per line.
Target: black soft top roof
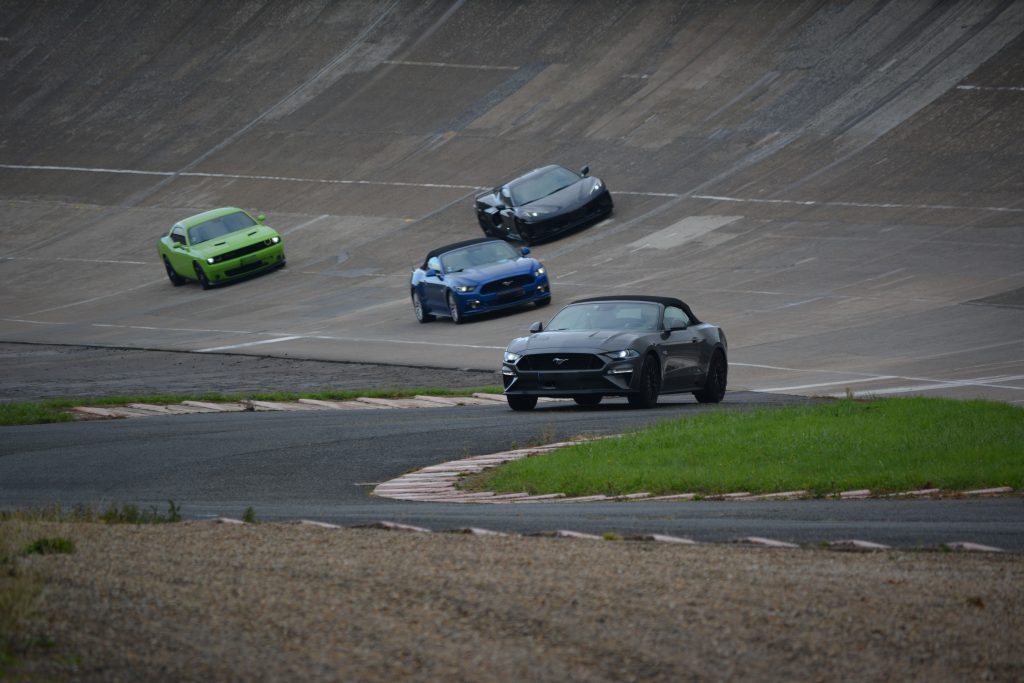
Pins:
x,y
456,245
663,300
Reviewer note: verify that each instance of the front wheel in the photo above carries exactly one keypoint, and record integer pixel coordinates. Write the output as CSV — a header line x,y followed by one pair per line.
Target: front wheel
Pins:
x,y
518,402
419,308
714,385
172,274
649,387
540,303
453,310
201,276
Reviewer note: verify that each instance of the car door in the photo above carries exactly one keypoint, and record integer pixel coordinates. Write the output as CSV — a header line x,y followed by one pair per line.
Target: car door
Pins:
x,y
683,351
433,286
179,254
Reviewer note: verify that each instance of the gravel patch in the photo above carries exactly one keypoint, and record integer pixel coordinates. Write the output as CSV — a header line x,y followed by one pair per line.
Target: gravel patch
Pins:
x,y
31,372
205,601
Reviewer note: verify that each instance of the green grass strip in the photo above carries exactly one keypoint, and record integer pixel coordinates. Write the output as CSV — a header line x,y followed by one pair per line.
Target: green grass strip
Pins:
x,y
56,410
884,445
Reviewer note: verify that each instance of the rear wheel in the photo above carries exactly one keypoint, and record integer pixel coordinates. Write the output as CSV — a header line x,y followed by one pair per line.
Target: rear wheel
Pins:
x,y
649,387
587,399
201,276
516,402
419,308
714,385
453,309
172,274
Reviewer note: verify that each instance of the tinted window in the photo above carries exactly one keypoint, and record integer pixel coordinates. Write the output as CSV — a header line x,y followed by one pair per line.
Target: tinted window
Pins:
x,y
219,226
478,255
540,185
607,315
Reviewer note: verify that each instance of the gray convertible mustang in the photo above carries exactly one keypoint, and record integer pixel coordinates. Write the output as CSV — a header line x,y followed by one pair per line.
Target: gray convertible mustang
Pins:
x,y
632,346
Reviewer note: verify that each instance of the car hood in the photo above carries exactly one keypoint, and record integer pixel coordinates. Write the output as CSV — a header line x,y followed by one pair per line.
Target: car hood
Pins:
x,y
235,240
594,340
495,271
566,199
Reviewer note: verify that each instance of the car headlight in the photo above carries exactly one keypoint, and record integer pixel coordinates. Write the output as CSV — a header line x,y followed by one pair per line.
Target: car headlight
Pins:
x,y
273,240
211,260
511,357
624,354
464,288
597,186
540,271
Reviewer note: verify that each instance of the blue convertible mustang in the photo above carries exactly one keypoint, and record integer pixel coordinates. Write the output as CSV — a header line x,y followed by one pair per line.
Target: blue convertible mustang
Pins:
x,y
476,276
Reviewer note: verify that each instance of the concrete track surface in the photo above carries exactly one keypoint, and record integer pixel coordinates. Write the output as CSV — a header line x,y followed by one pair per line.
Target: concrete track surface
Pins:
x,y
839,185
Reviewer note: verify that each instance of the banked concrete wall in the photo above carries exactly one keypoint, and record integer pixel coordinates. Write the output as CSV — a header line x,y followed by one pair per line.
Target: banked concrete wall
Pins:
x,y
839,184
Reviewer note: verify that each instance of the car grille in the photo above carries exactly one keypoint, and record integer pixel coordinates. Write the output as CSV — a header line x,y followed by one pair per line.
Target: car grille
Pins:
x,y
255,265
545,362
506,283
252,248
513,295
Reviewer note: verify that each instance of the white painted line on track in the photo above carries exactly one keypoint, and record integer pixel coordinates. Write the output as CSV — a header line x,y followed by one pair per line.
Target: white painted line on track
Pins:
x,y
859,205
300,226
826,384
73,260
253,343
449,65
97,298
1010,88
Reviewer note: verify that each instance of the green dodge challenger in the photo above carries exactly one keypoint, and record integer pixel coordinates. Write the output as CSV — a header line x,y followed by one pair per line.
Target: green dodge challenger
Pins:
x,y
217,246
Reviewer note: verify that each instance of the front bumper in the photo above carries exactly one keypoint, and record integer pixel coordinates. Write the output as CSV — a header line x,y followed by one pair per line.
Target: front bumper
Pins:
x,y
612,378
478,303
264,259
542,228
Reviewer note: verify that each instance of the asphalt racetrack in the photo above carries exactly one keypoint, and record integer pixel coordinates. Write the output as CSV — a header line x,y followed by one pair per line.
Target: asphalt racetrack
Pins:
x,y
840,187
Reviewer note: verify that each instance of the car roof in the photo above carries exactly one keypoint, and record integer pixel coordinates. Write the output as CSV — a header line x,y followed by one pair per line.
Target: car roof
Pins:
x,y
663,300
456,245
208,215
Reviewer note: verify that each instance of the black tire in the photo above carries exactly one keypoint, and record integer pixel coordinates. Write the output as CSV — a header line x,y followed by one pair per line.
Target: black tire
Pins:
x,y
540,303
172,274
419,309
201,276
453,309
714,385
649,386
587,399
519,402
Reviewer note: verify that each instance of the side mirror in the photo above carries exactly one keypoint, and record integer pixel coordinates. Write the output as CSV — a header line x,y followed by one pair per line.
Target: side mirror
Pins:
x,y
536,327
585,170
432,273
261,218
525,251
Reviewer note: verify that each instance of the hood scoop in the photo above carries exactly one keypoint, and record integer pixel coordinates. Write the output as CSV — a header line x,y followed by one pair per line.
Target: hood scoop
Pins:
x,y
219,244
253,233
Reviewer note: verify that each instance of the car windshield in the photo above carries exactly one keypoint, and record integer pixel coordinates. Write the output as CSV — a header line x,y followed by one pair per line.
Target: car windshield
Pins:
x,y
219,226
534,187
607,315
478,255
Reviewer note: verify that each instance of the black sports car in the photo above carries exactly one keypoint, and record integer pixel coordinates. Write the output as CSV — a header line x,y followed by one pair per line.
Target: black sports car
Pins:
x,y
543,203
633,346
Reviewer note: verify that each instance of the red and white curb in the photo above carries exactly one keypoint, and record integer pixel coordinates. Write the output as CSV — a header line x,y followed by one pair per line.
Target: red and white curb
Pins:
x,y
437,484
360,403
751,541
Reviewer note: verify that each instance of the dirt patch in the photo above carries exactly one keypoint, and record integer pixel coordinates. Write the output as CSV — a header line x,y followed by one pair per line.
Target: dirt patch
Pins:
x,y
202,601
